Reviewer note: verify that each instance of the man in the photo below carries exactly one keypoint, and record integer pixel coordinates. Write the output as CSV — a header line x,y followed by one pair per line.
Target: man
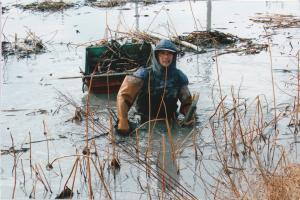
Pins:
x,y
157,90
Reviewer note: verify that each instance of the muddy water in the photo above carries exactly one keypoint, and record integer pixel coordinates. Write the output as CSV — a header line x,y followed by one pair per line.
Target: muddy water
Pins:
x,y
30,86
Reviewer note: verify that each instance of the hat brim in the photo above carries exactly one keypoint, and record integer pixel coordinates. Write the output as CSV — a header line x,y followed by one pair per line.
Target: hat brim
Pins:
x,y
164,49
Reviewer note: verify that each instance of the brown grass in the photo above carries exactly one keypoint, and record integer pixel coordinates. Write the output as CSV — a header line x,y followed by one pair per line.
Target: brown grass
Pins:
x,y
283,185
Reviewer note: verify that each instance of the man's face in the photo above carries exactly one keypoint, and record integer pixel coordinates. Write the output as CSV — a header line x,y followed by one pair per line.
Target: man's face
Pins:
x,y
165,58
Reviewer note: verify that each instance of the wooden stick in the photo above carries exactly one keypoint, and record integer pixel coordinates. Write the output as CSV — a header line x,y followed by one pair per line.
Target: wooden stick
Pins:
x,y
176,40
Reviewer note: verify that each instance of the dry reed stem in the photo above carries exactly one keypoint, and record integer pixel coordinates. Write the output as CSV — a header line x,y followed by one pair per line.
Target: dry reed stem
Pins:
x,y
282,185
149,146
195,21
163,164
88,168
155,17
14,166
100,173
273,81
75,172
298,92
49,187
137,144
46,135
146,164
32,193
39,177
30,154
24,177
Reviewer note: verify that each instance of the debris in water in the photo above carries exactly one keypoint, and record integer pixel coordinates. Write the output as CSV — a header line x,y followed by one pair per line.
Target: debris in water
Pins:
x,y
46,6
228,42
115,163
210,39
4,9
277,21
281,185
39,111
49,167
77,116
86,151
12,150
107,3
67,193
23,47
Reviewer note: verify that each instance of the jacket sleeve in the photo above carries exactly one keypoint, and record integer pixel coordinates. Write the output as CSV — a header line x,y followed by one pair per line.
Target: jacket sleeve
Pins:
x,y
125,98
185,98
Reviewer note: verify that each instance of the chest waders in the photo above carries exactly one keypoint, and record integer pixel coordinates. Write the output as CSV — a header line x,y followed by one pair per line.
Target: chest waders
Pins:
x,y
158,90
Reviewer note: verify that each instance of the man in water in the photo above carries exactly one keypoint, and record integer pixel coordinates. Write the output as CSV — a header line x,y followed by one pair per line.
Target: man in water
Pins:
x,y
156,90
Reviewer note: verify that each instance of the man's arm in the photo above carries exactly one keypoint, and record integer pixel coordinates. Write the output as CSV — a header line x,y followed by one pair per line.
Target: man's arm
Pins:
x,y
125,98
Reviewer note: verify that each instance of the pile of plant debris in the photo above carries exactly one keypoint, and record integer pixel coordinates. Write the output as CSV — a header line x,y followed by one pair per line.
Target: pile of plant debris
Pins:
x,y
107,3
216,39
23,47
46,6
209,39
277,21
120,58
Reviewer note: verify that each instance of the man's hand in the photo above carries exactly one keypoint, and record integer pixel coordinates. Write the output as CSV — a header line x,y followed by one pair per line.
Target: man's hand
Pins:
x,y
123,124
122,128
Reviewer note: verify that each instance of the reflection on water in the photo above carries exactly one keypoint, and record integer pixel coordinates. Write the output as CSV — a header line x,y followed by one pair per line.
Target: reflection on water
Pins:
x,y
100,101
137,16
167,163
208,15
165,148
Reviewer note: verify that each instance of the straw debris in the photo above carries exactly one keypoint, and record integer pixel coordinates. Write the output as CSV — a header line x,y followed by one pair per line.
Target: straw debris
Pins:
x,y
23,47
210,39
277,21
46,6
107,4
284,185
118,59
216,39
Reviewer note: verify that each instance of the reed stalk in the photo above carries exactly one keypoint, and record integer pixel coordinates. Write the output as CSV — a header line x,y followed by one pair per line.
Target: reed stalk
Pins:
x,y
137,144
273,82
49,187
46,135
298,92
100,174
14,166
39,177
30,154
163,165
75,172
24,177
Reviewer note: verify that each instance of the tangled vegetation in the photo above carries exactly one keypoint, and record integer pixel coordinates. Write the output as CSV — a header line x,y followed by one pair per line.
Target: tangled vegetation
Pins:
x,y
46,6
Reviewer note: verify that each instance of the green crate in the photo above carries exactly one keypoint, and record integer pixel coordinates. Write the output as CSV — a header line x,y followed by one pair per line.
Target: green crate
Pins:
x,y
139,52
92,56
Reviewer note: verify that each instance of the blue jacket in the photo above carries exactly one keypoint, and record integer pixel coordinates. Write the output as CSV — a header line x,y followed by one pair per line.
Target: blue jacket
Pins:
x,y
169,90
